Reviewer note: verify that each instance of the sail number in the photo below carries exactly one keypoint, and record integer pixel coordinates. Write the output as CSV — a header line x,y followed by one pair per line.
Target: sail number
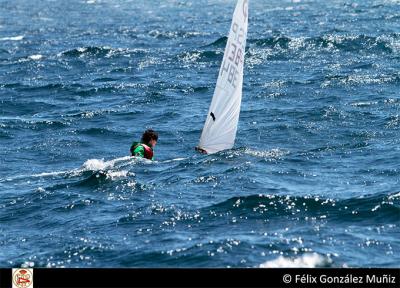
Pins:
x,y
235,55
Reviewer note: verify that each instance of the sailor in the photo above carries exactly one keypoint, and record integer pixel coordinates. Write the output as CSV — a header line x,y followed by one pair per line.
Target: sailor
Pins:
x,y
144,148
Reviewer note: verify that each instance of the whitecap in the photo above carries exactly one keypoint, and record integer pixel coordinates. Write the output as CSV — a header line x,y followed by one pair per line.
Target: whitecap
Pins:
x,y
100,164
274,153
36,57
28,264
116,174
309,260
88,165
365,103
395,196
15,38
95,165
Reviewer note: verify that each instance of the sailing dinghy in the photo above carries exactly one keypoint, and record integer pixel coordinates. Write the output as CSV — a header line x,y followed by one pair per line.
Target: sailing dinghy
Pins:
x,y
219,131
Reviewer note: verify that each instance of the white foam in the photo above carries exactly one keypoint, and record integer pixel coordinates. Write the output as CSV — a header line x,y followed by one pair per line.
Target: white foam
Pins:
x,y
274,153
365,103
173,160
189,58
28,264
47,174
89,165
100,164
36,57
15,38
40,190
116,174
44,174
395,196
309,260
95,165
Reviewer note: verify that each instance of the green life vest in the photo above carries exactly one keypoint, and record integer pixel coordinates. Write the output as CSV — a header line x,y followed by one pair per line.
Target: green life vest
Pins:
x,y
147,150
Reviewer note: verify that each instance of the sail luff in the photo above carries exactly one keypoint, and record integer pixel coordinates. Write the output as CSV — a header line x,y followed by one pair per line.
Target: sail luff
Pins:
x,y
219,131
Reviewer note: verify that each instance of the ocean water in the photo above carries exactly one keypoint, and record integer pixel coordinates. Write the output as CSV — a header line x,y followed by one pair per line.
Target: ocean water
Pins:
x,y
313,179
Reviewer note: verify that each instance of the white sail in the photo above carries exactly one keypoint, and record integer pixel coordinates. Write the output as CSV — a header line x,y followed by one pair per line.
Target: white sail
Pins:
x,y
219,131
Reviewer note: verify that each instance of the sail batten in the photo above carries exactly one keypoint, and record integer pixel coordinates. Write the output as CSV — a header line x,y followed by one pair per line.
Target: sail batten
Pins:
x,y
220,127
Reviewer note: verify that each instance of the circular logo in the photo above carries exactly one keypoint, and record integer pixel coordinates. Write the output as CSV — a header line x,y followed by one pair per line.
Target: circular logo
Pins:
x,y
287,278
23,278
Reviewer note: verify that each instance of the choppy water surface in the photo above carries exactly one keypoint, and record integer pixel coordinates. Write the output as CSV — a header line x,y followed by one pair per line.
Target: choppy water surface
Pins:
x,y
312,181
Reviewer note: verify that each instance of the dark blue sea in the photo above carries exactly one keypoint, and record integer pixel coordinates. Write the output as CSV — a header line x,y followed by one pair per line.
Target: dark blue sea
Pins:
x,y
313,179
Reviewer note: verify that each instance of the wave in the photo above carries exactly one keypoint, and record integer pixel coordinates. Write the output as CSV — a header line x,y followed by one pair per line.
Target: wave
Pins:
x,y
99,132
221,42
105,79
101,52
13,38
50,87
331,42
173,34
308,260
100,164
281,47
78,204
197,56
114,168
270,154
34,57
87,51
381,208
240,151
69,91
32,123
5,134
4,53
359,79
98,172
273,42
100,177
204,54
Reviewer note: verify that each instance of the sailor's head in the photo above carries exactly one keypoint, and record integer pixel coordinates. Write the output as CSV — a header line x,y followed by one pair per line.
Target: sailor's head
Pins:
x,y
150,137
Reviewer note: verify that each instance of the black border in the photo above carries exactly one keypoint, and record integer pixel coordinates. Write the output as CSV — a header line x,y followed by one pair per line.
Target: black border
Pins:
x,y
222,277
